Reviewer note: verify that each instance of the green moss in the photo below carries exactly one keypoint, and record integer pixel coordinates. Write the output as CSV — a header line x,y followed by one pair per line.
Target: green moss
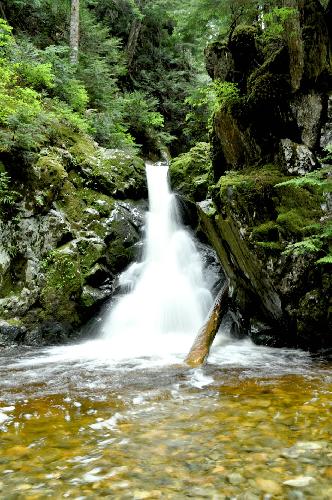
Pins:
x,y
273,247
279,213
191,172
266,232
294,221
252,178
90,250
249,194
70,203
63,282
83,149
74,203
49,171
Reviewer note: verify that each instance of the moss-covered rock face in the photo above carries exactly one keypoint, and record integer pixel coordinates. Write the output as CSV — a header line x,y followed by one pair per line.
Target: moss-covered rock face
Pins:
x,y
191,173
62,243
115,173
270,221
273,235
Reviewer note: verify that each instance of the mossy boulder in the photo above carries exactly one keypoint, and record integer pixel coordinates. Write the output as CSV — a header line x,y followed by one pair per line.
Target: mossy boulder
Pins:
x,y
58,260
124,235
268,233
116,173
191,173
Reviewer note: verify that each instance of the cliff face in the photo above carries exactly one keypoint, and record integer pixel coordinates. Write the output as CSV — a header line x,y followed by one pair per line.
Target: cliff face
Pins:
x,y
269,217
71,221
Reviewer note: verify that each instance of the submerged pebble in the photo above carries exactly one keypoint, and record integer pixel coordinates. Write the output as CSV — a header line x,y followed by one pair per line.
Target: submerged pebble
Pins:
x,y
133,435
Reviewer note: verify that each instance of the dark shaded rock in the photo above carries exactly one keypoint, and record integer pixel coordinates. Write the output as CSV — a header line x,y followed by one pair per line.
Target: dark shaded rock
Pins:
x,y
124,235
307,109
187,211
49,332
99,275
296,159
219,61
326,131
246,56
11,333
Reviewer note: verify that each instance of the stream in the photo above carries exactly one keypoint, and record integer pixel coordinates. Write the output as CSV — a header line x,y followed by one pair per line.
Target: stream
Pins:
x,y
122,416
254,423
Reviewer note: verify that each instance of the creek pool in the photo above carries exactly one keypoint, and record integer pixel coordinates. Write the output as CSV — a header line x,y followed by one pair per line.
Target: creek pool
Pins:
x,y
254,423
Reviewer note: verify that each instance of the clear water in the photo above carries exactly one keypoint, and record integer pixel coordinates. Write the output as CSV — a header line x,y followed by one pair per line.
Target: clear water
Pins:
x,y
91,427
122,417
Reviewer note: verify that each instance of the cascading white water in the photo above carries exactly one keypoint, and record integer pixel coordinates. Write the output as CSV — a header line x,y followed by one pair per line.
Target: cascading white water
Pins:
x,y
168,297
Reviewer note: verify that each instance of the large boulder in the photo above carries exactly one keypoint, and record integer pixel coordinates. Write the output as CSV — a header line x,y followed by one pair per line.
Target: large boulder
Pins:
x,y
64,241
270,214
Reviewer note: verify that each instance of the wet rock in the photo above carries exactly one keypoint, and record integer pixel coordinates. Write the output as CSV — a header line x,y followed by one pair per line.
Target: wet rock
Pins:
x,y
307,109
269,486
49,332
55,258
91,296
299,482
235,478
11,333
297,159
326,131
124,234
99,275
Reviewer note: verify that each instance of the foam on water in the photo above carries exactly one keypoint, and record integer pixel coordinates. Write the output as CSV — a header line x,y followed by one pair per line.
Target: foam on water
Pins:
x,y
169,296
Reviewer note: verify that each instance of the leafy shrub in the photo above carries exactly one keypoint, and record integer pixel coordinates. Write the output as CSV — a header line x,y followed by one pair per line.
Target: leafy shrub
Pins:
x,y
227,92
274,23
8,197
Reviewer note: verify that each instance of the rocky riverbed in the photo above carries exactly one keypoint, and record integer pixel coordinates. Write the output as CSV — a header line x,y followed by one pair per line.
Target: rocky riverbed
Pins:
x,y
255,423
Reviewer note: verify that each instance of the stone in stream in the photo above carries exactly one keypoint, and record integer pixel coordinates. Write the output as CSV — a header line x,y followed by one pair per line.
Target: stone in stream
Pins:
x,y
300,481
269,486
235,478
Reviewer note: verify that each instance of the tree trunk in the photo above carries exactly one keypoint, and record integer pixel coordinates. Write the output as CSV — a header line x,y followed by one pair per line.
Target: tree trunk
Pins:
x,y
134,32
74,31
201,347
132,40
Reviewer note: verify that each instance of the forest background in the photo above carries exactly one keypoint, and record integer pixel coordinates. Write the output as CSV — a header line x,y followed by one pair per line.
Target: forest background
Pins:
x,y
139,81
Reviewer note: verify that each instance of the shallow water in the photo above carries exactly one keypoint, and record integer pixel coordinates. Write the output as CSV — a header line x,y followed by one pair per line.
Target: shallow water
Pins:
x,y
78,424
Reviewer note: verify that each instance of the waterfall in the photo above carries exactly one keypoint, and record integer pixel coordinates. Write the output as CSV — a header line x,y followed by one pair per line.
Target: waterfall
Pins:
x,y
167,296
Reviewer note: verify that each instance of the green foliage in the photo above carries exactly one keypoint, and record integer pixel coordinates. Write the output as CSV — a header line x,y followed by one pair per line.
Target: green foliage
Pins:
x,y
319,179
227,92
202,101
319,243
6,37
307,219
275,21
8,197
325,260
37,76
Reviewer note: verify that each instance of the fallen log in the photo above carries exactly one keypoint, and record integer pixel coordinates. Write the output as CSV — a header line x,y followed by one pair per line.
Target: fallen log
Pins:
x,y
201,346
